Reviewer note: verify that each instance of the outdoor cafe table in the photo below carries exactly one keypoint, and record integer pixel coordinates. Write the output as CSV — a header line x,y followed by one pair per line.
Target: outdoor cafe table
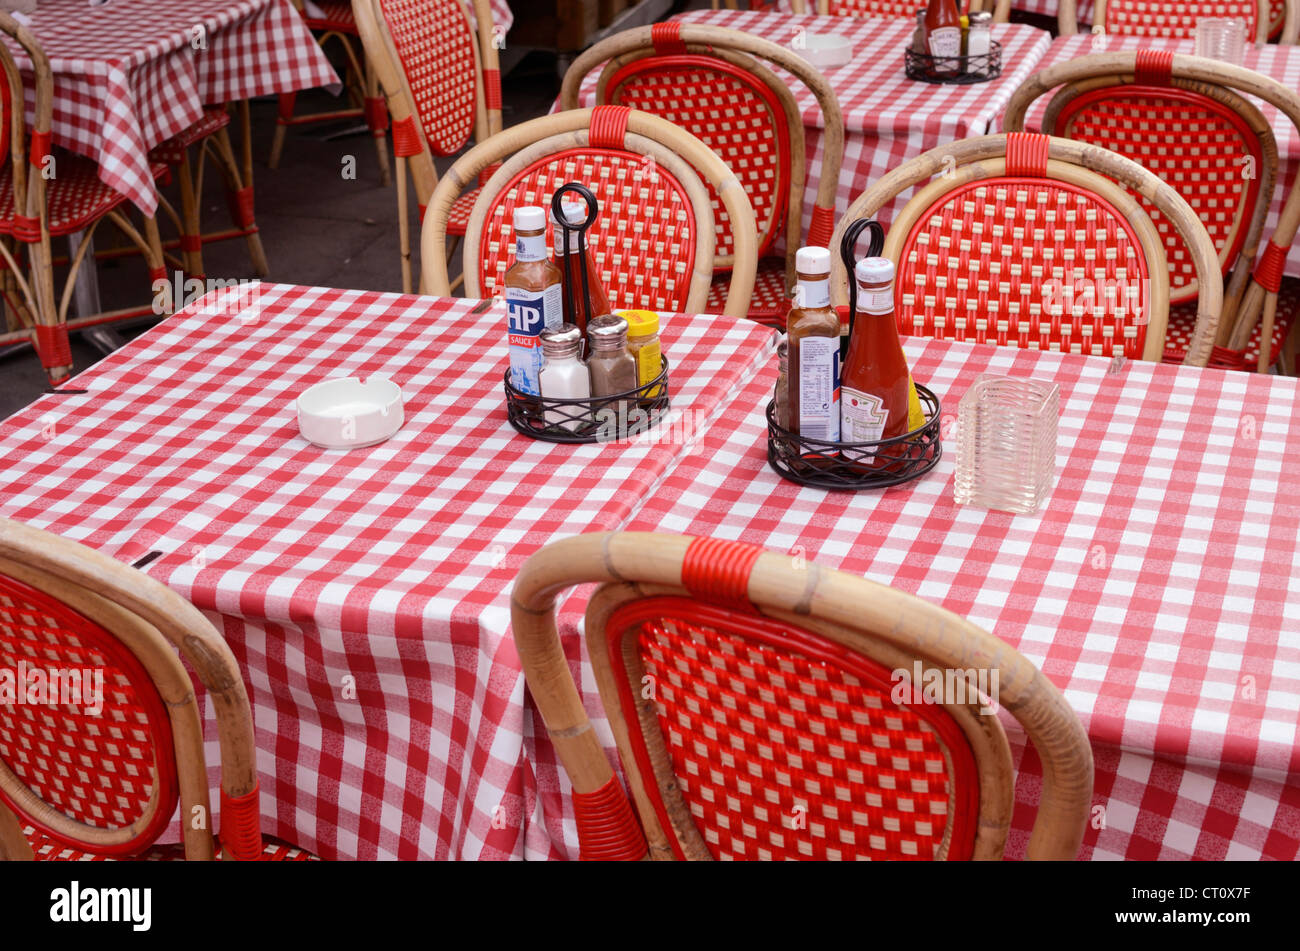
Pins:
x,y
1159,587
1281,63
364,592
132,73
888,118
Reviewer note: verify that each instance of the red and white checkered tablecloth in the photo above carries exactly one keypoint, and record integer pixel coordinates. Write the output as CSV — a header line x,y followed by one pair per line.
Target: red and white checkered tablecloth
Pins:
x,y
1159,587
132,73
1281,63
365,593
888,118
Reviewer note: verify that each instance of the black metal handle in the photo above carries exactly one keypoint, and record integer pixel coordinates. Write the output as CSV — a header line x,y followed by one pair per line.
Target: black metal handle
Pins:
x,y
593,212
848,254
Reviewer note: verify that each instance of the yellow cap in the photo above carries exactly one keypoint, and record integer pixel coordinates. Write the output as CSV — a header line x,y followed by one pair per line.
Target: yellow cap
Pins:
x,y
965,22
640,323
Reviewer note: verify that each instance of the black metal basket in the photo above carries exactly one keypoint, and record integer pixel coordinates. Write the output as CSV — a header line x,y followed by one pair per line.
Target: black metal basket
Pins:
x,y
856,465
958,70
599,419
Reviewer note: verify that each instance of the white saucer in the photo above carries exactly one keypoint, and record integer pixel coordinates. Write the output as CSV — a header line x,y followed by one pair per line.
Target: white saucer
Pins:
x,y
826,50
348,414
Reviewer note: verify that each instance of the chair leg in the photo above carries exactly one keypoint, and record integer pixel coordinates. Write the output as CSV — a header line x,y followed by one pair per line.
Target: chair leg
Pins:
x,y
240,197
1290,350
191,222
377,119
287,101
403,226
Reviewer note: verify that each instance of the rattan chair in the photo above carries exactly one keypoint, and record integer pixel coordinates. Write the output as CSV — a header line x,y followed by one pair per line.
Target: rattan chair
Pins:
x,y
212,137
1027,241
1178,20
442,85
653,242
46,194
1188,119
337,23
687,74
759,710
1001,9
106,782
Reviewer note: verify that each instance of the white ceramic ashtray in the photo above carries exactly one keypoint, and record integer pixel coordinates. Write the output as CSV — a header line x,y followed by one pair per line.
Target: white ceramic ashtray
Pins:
x,y
348,413
825,50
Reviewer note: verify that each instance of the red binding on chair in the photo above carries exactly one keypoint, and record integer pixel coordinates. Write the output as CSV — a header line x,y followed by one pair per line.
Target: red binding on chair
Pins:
x,y
1154,68
492,88
42,142
1269,269
608,126
719,570
27,229
241,832
1026,155
607,828
406,138
821,228
53,346
667,39
377,114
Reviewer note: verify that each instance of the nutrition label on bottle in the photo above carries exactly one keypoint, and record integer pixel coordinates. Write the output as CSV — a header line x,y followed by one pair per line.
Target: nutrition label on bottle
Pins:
x,y
819,386
863,416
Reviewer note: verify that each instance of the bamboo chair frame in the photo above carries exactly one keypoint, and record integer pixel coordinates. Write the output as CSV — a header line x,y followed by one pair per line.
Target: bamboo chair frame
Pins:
x,y
154,624
887,625
1249,220
1001,9
237,175
750,52
32,301
1067,19
1256,301
967,160
683,155
418,161
362,69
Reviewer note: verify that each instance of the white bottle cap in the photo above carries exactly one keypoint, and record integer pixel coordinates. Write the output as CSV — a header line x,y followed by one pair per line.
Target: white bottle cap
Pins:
x,y
813,261
874,271
530,218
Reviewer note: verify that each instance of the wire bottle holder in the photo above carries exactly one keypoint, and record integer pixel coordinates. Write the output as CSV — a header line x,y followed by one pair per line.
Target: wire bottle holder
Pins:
x,y
956,70
610,418
857,465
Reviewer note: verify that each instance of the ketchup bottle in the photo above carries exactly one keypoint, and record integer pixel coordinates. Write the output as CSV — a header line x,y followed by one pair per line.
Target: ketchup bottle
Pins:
x,y
875,385
943,34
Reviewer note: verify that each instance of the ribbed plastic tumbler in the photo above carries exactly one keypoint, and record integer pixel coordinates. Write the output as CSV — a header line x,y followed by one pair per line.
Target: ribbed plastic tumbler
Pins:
x,y
1006,443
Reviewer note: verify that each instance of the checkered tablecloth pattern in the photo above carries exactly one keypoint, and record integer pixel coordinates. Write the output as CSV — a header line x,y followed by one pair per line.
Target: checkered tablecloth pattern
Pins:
x,y
1158,588
365,593
1281,63
132,73
888,118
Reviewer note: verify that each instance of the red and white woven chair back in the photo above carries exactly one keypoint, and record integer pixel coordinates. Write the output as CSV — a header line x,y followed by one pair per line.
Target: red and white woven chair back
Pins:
x,y
733,112
1177,20
786,745
644,240
1276,18
1025,262
1202,148
435,48
97,752
878,8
